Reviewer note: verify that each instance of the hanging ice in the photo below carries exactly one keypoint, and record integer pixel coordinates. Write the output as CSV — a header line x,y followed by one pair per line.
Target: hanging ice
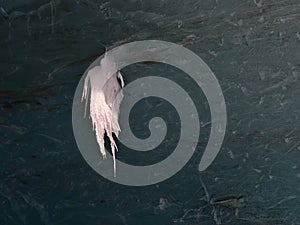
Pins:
x,y
105,100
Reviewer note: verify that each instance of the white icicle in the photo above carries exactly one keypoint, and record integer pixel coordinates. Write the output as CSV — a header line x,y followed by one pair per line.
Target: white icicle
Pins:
x,y
104,103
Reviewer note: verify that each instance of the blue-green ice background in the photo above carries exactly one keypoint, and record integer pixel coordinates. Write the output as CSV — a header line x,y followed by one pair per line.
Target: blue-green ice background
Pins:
x,y
251,46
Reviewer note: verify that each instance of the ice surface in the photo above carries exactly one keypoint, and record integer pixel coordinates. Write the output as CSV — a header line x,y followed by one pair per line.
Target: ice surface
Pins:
x,y
252,48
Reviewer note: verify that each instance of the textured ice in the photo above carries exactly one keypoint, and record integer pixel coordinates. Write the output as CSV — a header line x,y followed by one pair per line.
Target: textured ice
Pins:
x,y
105,101
40,163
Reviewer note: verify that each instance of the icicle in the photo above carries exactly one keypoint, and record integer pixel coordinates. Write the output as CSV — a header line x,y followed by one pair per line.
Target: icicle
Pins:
x,y
105,102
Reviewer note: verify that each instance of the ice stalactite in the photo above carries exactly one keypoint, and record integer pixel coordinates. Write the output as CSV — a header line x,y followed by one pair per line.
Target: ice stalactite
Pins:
x,y
105,100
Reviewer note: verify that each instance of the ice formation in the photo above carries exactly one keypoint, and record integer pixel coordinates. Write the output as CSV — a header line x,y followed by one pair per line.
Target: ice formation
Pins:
x,y
105,100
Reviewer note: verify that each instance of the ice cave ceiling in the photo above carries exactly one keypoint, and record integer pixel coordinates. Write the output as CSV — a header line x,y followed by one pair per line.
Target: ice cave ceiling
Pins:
x,y
253,48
